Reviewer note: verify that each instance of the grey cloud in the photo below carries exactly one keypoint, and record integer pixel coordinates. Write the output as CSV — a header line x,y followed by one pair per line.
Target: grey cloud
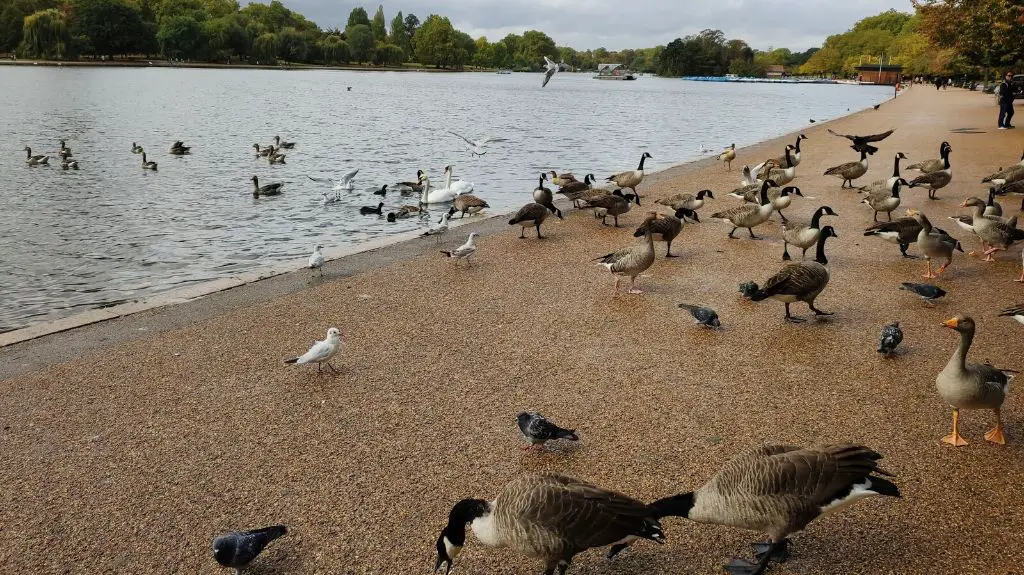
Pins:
x,y
615,24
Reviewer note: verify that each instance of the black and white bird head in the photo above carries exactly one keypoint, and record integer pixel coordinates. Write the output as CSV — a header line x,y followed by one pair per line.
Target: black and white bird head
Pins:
x,y
453,536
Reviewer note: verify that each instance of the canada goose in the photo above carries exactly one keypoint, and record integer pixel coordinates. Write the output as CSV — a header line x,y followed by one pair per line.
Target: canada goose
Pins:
x,y
464,251
749,215
780,162
316,260
64,152
748,289
267,190
804,236
575,190
965,385
541,194
560,179
995,235
933,165
536,429
146,165
137,149
780,198
551,517
992,207
887,202
614,204
467,204
237,549
632,260
935,180
415,187
665,227
68,163
779,489
850,170
321,352
782,175
863,143
802,281
933,244
179,148
533,214
262,152
282,144
35,160
890,338
632,178
688,201
366,210
728,156
1016,312
404,212
1002,174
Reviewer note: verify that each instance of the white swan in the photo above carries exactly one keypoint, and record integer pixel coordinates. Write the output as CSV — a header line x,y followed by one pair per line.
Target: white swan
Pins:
x,y
429,196
458,186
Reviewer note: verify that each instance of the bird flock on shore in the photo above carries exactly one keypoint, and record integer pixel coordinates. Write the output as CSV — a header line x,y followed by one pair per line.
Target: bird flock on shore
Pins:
x,y
776,490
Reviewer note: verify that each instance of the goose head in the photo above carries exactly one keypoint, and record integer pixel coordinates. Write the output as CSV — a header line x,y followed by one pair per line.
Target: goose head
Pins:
x,y
255,180
801,137
254,146
826,211
647,155
453,536
790,190
901,156
960,324
705,193
973,203
588,178
451,211
392,217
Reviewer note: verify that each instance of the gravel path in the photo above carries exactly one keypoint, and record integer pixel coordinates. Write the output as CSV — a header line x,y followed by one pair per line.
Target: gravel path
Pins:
x,y
133,455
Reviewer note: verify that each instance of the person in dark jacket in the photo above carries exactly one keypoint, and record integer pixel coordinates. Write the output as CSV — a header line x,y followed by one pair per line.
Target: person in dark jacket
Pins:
x,y
1007,91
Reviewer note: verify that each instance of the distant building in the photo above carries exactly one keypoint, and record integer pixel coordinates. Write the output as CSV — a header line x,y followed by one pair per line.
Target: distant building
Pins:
x,y
885,74
775,71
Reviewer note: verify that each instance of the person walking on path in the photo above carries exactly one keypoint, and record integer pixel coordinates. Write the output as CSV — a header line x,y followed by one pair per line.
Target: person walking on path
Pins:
x,y
1006,93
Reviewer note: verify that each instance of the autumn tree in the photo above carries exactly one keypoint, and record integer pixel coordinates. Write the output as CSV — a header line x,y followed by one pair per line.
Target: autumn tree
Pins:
x,y
982,33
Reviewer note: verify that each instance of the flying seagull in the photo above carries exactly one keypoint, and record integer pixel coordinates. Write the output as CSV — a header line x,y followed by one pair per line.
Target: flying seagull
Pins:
x,y
862,143
551,69
476,147
346,182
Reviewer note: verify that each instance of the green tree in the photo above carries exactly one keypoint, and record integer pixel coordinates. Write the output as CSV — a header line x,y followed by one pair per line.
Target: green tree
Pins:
x,y
398,36
357,17
334,50
112,26
264,48
360,42
532,48
984,33
388,55
12,20
379,26
437,43
45,34
511,43
292,45
225,38
180,37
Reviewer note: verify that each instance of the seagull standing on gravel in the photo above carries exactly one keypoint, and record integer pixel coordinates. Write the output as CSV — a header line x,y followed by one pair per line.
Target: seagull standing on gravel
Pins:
x,y
465,250
238,548
321,352
316,261
551,69
538,430
476,147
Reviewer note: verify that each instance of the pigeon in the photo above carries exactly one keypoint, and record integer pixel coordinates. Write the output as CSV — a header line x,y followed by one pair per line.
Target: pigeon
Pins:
x,y
891,337
465,250
316,261
704,315
321,352
439,228
537,430
238,548
928,292
748,289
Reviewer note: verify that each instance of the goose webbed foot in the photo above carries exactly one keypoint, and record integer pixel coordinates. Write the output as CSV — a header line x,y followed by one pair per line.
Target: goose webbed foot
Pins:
x,y
751,232
791,318
740,566
819,312
731,236
780,555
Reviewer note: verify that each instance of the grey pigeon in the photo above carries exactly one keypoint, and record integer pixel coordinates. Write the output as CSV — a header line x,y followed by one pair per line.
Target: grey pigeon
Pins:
x,y
238,548
928,292
748,289
538,430
891,337
704,315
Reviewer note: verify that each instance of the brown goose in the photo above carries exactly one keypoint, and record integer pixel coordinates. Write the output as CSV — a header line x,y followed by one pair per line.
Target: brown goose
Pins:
x,y
802,281
728,156
632,178
802,235
995,235
1003,174
467,204
614,204
749,215
885,202
932,165
533,214
780,198
850,170
561,179
665,227
551,517
779,489
965,385
934,244
935,180
687,201
782,175
575,190
633,260
780,162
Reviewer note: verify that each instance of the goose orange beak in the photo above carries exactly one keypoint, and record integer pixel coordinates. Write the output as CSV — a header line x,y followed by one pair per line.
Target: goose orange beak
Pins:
x,y
963,204
951,323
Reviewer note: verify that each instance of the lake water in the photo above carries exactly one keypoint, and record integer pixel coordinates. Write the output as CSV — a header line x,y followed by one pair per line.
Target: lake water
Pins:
x,y
112,232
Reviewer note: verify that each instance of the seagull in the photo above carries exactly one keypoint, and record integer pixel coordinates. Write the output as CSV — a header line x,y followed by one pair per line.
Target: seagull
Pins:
x,y
928,292
891,337
321,352
438,229
705,316
476,146
538,430
702,150
316,261
551,69
465,250
238,548
344,184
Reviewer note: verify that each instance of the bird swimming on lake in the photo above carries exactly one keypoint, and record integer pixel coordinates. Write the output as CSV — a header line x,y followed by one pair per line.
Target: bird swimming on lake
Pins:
x,y
476,147
890,338
180,149
538,430
282,144
705,316
321,352
366,211
928,292
238,548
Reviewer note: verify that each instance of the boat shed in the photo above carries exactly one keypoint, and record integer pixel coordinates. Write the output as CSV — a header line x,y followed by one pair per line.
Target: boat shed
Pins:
x,y
885,74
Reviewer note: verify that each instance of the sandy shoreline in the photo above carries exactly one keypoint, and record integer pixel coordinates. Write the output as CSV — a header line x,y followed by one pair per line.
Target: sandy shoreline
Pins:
x,y
136,440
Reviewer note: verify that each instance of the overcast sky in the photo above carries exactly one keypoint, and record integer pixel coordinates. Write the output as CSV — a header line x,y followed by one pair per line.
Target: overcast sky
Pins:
x,y
617,24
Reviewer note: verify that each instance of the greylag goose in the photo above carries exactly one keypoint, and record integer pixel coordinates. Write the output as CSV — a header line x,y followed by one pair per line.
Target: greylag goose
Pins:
x,y
802,281
995,235
632,178
633,260
804,236
934,244
267,190
665,227
965,385
533,214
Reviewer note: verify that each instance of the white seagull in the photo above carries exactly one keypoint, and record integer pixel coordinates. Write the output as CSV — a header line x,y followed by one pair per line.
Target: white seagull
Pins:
x,y
321,352
465,250
476,147
316,261
346,182
438,229
551,69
